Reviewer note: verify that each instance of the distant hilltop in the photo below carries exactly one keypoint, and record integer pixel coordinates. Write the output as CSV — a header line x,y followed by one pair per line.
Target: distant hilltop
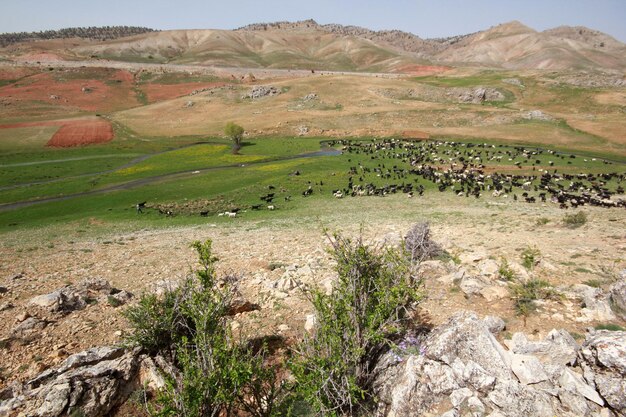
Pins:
x,y
102,33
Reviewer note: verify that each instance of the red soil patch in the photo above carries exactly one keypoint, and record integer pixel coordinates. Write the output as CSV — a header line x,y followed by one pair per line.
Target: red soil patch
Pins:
x,y
112,90
423,70
82,133
40,57
73,132
8,73
160,92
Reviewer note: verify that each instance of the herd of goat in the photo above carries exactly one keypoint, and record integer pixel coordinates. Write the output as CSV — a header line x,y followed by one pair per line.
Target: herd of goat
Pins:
x,y
393,166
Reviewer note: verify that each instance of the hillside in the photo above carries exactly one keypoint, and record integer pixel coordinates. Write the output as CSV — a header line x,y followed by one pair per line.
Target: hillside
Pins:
x,y
309,45
515,46
306,48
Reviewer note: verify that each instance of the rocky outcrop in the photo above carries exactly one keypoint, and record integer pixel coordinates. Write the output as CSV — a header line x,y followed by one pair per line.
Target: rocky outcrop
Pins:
x,y
90,383
617,296
463,370
260,91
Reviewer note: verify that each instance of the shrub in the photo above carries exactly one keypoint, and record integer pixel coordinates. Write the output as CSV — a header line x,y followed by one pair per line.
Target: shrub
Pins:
x,y
214,373
610,326
374,292
530,257
525,294
504,270
419,244
575,220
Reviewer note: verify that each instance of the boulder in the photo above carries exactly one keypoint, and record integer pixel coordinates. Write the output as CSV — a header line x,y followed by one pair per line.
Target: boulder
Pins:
x,y
495,324
90,383
260,91
617,297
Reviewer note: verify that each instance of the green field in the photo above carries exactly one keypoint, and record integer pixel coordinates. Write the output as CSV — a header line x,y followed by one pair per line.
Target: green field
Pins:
x,y
189,175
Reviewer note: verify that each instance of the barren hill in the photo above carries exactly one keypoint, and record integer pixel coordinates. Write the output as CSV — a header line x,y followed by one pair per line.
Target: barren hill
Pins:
x,y
309,45
513,45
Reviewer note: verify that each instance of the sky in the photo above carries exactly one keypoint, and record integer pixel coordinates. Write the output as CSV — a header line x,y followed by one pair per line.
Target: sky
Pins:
x,y
427,19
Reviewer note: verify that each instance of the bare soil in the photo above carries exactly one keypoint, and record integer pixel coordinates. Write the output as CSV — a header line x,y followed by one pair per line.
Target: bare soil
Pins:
x,y
262,252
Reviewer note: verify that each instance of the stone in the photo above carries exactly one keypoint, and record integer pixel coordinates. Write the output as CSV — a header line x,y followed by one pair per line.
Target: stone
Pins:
x,y
617,297
51,300
6,306
608,349
571,381
260,91
121,298
450,341
494,292
93,382
514,399
488,268
459,396
528,369
28,326
166,285
310,323
495,324
3,289
240,305
471,285
472,257
283,328
555,349
286,283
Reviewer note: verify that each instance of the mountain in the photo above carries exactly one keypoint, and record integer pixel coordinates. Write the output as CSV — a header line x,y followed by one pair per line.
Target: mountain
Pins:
x,y
309,45
516,46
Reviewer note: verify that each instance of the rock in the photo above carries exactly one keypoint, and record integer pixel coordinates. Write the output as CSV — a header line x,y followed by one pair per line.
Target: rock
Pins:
x,y
302,130
189,104
513,81
494,292
3,289
91,383
166,285
260,91
607,349
283,328
472,257
121,298
309,97
488,268
471,285
528,369
149,375
6,306
28,326
557,348
240,305
310,323
17,276
617,297
286,283
450,341
494,323
571,381
514,399
537,115
51,300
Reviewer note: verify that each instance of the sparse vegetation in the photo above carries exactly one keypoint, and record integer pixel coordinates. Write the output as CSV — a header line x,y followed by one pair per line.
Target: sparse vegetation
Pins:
x,y
575,220
374,292
610,326
219,375
525,293
530,257
504,270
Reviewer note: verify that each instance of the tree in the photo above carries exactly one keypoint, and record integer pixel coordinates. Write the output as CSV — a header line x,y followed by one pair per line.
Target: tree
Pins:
x,y
235,133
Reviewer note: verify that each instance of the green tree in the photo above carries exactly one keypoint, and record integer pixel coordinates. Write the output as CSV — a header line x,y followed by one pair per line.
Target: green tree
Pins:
x,y
235,133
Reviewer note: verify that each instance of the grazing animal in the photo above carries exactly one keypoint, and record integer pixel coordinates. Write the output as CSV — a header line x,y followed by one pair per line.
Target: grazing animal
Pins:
x,y
271,207
204,213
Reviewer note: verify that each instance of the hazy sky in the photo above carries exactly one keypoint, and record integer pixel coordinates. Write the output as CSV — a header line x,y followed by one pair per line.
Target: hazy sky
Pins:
x,y
434,18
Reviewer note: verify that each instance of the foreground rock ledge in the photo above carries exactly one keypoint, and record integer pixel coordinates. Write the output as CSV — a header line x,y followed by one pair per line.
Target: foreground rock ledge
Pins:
x,y
462,370
458,369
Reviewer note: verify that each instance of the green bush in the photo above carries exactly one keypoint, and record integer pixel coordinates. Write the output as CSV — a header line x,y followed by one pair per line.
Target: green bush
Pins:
x,y
575,220
524,294
216,374
530,257
374,292
504,270
610,326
